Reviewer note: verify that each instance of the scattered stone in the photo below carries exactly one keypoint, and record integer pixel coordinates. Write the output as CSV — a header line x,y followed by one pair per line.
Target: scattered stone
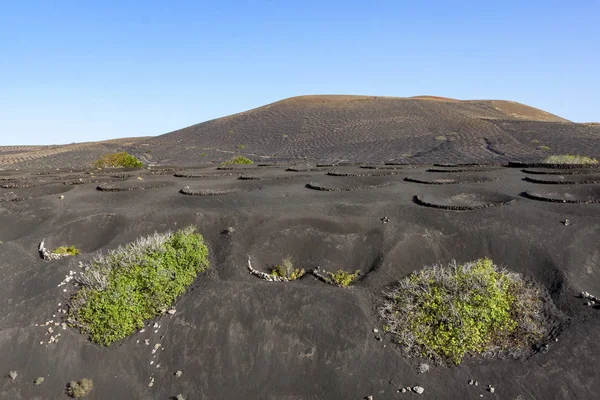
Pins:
x,y
369,397
13,375
566,222
147,342
375,330
418,389
155,325
476,383
62,197
403,390
178,374
385,220
172,311
229,230
423,368
471,382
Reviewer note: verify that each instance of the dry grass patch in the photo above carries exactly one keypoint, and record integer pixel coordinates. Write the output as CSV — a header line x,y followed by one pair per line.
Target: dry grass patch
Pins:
x,y
569,159
80,388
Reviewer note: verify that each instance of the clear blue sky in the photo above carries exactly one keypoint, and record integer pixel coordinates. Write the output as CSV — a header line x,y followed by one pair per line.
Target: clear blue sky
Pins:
x,y
90,70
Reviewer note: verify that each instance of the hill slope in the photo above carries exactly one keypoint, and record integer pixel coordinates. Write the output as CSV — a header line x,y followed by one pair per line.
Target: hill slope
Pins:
x,y
376,129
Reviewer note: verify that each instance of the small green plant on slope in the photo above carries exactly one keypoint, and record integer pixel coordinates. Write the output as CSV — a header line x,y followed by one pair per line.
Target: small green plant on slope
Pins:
x,y
238,160
286,270
241,146
66,250
342,278
569,159
80,388
474,308
545,148
440,138
118,160
134,283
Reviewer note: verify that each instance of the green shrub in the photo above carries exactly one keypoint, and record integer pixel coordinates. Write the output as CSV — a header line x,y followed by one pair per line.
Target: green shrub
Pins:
x,y
343,278
535,141
446,313
569,159
440,138
286,270
134,283
80,388
66,250
238,160
241,146
545,148
118,160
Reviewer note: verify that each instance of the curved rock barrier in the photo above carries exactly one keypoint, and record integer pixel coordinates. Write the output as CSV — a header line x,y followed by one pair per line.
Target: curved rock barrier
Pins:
x,y
463,169
249,178
451,181
22,194
463,165
316,186
127,187
573,180
219,175
388,166
335,173
574,171
47,255
575,195
465,201
518,164
214,192
264,276
300,169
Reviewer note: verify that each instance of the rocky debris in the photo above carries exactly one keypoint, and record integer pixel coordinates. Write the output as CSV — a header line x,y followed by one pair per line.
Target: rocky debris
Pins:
x,y
264,275
369,397
566,222
423,368
172,311
178,374
418,389
385,220
375,330
13,375
592,300
62,197
229,230
48,256
491,389
471,381
151,383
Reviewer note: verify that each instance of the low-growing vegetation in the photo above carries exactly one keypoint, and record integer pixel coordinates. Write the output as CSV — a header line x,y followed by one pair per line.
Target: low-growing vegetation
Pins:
x,y
569,159
545,148
343,278
440,138
238,160
66,250
286,270
134,283
448,312
80,388
241,146
118,160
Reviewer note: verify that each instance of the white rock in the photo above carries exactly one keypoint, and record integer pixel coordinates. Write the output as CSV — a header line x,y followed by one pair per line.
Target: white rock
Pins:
x,y
418,389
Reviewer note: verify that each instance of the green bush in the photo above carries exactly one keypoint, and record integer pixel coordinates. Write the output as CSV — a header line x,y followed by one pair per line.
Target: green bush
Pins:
x,y
241,146
66,250
118,160
134,283
343,278
238,160
446,313
569,159
286,270
545,148
80,388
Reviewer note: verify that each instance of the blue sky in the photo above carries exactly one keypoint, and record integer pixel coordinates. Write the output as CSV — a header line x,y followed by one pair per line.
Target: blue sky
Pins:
x,y
73,71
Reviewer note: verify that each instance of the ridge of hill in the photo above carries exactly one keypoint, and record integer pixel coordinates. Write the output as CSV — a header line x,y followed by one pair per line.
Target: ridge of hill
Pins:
x,y
343,128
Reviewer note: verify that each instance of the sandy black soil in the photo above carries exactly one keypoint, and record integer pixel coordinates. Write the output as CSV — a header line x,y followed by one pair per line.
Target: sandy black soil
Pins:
x,y
235,336
346,129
